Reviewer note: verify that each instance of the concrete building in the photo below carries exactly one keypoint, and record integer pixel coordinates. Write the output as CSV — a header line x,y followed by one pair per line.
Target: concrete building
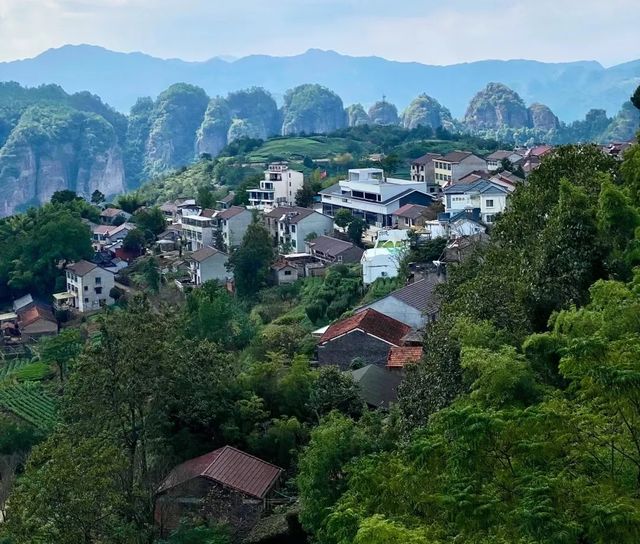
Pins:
x,y
278,188
292,226
88,287
197,231
372,197
455,165
494,161
332,250
383,261
208,264
233,223
487,196
422,169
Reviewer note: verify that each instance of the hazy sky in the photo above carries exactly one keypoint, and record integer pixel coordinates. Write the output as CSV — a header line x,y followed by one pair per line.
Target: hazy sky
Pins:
x,y
429,31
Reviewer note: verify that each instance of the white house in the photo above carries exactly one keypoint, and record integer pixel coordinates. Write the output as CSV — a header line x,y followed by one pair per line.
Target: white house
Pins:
x,y
455,165
372,197
383,261
487,196
233,223
278,188
197,231
292,226
208,264
494,161
422,169
88,287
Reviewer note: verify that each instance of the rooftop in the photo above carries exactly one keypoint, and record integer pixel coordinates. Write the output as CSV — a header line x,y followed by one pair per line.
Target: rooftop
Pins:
x,y
113,212
230,467
402,355
456,156
294,213
82,267
500,154
378,386
371,322
204,253
330,246
480,186
33,313
231,212
426,158
412,211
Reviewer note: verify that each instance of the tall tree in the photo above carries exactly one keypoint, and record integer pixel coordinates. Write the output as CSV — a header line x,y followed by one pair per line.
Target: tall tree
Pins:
x,y
251,262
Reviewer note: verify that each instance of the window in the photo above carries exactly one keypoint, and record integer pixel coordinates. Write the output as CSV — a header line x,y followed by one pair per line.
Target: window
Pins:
x,y
293,228
86,287
86,300
489,218
98,290
287,272
98,280
489,203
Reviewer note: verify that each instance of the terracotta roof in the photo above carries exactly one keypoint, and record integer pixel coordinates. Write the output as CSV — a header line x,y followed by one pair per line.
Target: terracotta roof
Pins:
x,y
402,355
412,211
33,313
230,467
112,212
81,267
501,154
456,156
371,322
231,212
101,229
208,212
204,253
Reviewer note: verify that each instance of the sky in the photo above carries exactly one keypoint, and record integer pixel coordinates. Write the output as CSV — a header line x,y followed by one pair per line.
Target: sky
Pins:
x,y
427,31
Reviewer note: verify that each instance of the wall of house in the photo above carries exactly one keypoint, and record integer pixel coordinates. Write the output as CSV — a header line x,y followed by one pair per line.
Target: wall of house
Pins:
x,y
468,165
357,344
385,265
213,268
316,222
89,299
499,204
236,227
41,327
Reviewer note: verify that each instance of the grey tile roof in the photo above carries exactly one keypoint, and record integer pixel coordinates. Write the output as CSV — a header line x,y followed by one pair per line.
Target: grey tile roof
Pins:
x,y
378,386
231,212
426,158
296,213
204,253
456,156
479,186
420,294
330,246
81,267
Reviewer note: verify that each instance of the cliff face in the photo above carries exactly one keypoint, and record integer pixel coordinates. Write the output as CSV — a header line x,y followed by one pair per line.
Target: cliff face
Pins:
x,y
495,107
624,125
541,117
383,113
426,111
356,116
55,148
312,109
212,134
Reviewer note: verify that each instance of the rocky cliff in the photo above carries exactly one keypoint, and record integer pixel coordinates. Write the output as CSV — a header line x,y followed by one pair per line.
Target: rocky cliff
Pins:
x,y
383,113
624,126
426,111
312,109
541,117
356,116
494,107
54,147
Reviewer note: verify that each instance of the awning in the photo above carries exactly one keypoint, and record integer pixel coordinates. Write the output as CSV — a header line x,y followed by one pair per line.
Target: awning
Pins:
x,y
8,316
63,296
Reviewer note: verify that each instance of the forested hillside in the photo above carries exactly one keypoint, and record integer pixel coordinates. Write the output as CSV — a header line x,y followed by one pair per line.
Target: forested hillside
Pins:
x,y
518,425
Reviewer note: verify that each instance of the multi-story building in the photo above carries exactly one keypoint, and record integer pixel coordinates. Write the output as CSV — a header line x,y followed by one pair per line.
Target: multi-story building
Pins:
x,y
422,169
455,165
278,188
208,264
88,287
291,227
233,223
487,196
372,197
494,161
197,231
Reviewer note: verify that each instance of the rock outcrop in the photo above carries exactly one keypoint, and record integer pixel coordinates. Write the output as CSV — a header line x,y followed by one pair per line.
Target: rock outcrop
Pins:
x,y
425,111
53,148
542,118
624,126
356,116
177,115
383,113
496,106
258,108
212,134
312,109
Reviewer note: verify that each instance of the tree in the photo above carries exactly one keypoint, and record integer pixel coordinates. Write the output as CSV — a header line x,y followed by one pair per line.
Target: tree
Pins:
x,y
97,197
63,196
355,230
150,220
251,262
335,390
130,202
391,163
151,272
305,195
635,99
134,241
343,217
69,494
206,197
62,350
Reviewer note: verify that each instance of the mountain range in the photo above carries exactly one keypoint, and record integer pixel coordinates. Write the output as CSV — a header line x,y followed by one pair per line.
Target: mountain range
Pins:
x,y
570,89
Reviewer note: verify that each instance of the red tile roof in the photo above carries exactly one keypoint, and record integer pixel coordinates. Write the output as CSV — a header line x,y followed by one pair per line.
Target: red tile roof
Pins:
x,y
371,322
400,356
34,313
230,467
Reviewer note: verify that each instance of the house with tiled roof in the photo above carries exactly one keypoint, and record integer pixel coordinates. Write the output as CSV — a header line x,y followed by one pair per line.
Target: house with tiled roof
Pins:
x,y
414,305
377,386
88,288
36,320
486,195
494,160
422,170
453,166
410,216
331,250
233,224
110,215
226,486
403,355
292,226
208,264
367,336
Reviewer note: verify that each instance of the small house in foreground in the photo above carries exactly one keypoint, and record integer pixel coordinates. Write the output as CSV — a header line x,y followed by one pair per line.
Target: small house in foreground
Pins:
x,y
226,486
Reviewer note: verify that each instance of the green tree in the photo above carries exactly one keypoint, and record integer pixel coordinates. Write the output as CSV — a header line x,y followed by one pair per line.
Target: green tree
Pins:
x,y
97,197
251,262
63,196
305,195
62,350
343,217
391,163
134,241
635,99
206,197
335,390
355,230
150,220
130,202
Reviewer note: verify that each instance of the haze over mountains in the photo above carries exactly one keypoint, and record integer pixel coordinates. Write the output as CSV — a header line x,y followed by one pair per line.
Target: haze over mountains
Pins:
x,y
569,89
